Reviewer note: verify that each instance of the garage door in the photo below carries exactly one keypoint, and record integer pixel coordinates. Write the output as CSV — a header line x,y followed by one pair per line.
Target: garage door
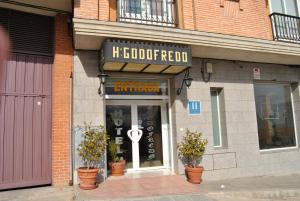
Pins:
x,y
25,101
25,121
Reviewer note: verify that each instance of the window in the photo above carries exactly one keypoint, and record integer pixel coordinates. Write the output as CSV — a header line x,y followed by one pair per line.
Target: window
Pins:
x,y
146,11
288,7
284,19
274,115
133,6
216,117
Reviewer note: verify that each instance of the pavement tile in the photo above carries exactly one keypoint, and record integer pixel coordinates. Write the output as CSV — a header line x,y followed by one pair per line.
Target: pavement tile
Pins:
x,y
279,188
182,198
164,199
200,198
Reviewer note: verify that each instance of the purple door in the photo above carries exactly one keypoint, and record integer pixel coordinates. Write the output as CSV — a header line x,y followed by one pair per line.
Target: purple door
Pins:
x,y
25,121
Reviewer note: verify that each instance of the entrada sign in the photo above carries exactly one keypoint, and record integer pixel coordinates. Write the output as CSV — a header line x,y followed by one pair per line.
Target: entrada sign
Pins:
x,y
125,86
130,86
146,52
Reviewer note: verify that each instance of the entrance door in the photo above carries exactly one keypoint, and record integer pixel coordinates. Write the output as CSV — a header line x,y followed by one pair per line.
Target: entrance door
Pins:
x,y
140,129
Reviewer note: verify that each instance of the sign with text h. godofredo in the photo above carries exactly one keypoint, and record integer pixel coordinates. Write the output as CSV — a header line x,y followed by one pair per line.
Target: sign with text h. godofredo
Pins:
x,y
126,51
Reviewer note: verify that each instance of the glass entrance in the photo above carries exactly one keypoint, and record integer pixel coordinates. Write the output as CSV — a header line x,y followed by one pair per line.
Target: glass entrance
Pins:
x,y
141,131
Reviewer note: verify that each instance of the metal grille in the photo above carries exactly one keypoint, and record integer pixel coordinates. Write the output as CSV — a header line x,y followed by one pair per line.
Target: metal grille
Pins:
x,y
152,12
285,27
29,33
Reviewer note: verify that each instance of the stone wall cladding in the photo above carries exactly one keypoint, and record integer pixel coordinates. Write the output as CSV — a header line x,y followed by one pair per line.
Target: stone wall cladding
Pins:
x,y
88,104
62,68
236,79
241,157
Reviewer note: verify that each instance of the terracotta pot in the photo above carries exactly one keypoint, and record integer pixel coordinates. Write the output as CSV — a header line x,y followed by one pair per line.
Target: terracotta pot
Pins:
x,y
88,178
117,168
194,175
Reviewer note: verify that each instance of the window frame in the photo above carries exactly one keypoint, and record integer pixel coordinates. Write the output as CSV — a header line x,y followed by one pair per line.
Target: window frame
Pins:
x,y
217,90
293,115
284,5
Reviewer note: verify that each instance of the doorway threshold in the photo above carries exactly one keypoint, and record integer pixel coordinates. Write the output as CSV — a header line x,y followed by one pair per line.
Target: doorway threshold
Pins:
x,y
143,174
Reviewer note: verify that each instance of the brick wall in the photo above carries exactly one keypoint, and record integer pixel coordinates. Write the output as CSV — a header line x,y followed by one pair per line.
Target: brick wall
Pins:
x,y
92,9
247,18
60,102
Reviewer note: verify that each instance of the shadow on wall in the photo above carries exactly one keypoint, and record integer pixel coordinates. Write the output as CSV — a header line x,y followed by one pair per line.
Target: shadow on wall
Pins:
x,y
77,3
89,62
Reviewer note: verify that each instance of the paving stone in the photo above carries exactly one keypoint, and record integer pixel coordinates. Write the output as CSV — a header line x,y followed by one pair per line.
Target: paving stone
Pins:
x,y
200,198
164,199
282,188
38,194
182,198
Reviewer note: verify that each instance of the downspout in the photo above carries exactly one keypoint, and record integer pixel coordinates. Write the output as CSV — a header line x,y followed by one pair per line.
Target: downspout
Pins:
x,y
71,162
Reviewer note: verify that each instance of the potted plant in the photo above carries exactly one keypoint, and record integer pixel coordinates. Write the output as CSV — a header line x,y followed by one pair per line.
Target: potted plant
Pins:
x,y
90,151
191,150
117,164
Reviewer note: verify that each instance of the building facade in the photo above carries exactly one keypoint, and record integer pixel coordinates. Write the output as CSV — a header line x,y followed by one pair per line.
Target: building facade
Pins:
x,y
244,59
227,68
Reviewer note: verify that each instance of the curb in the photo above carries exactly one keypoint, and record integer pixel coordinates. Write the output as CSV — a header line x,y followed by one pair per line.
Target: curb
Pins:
x,y
263,194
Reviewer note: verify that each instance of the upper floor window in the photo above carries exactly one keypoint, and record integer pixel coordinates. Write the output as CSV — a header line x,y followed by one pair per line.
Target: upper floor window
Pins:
x,y
154,12
285,20
288,7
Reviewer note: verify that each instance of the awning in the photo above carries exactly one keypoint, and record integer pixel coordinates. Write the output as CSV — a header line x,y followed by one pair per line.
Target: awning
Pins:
x,y
145,57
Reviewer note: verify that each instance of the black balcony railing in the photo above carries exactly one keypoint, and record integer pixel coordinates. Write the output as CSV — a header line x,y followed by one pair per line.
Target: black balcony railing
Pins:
x,y
285,27
152,12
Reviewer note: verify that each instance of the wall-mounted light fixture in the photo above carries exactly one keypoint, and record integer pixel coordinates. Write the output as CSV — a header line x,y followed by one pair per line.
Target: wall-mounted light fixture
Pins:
x,y
102,77
187,80
207,68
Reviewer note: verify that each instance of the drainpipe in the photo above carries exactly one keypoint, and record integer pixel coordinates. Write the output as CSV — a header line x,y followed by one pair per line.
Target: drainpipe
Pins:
x,y
71,133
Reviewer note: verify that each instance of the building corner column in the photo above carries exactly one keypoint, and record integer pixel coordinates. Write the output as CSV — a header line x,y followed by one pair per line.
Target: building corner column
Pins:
x,y
62,68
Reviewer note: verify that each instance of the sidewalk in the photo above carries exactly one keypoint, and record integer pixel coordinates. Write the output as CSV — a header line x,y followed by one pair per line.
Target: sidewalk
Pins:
x,y
169,188
175,188
255,188
38,194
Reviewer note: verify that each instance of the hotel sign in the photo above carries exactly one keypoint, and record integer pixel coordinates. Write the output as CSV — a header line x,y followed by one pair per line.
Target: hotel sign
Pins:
x,y
146,52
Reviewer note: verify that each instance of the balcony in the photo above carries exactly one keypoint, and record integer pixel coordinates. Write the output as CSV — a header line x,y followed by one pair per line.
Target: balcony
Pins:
x,y
149,12
285,27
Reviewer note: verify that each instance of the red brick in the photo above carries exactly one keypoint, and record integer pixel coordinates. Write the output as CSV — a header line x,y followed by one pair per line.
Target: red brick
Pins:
x,y
62,68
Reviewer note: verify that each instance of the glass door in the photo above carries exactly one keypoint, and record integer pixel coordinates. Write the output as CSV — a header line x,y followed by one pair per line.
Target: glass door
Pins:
x,y
140,129
118,122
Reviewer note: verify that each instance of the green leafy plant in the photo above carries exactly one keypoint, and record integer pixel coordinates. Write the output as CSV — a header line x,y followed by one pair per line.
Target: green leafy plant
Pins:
x,y
192,147
113,151
93,145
